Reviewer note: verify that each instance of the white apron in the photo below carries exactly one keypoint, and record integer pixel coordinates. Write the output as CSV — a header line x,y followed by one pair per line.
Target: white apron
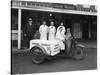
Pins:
x,y
43,32
52,31
60,33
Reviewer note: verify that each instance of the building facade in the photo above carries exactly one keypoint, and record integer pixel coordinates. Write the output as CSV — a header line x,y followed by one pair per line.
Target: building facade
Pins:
x,y
80,18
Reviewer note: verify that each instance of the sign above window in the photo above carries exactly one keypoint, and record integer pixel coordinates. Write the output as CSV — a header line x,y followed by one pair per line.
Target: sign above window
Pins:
x,y
29,4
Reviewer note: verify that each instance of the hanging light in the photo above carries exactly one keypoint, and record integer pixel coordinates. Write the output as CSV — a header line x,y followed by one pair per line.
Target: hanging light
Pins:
x,y
50,14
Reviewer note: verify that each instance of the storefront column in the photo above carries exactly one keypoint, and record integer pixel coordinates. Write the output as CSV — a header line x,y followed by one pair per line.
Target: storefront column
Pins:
x,y
19,28
89,32
90,28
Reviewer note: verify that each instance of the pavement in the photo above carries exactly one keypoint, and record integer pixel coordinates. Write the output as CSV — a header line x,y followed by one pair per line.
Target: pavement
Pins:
x,y
88,43
22,64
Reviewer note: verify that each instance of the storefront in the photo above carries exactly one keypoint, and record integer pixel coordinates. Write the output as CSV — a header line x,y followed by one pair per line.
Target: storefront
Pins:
x,y
81,20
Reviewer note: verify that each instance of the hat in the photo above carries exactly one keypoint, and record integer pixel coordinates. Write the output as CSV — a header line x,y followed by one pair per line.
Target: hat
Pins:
x,y
30,19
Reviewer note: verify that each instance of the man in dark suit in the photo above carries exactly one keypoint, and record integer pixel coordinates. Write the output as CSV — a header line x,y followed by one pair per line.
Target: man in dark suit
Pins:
x,y
29,31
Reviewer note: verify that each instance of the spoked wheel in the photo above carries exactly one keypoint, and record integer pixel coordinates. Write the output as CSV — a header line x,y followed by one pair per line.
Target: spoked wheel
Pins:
x,y
38,55
78,53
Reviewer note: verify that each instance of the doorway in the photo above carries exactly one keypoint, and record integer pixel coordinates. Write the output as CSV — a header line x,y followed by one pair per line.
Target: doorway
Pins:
x,y
85,33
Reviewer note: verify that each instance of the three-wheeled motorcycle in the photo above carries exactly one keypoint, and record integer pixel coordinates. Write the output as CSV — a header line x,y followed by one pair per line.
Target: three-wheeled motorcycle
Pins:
x,y
47,49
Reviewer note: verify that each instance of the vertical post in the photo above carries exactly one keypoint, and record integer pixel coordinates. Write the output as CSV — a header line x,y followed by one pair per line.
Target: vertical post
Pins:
x,y
89,28
89,33
19,28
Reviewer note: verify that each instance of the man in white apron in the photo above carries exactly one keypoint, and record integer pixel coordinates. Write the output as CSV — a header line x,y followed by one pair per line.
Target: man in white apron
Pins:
x,y
60,35
43,31
52,31
61,32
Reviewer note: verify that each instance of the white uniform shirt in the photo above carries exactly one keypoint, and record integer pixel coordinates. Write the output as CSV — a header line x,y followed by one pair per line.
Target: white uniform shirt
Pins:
x,y
43,32
52,31
60,33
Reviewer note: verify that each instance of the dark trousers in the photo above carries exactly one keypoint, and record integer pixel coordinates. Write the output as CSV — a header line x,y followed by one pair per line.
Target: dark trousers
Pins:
x,y
27,41
68,44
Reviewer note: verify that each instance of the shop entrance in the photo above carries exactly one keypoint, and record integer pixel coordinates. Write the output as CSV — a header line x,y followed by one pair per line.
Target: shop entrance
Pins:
x,y
83,28
85,33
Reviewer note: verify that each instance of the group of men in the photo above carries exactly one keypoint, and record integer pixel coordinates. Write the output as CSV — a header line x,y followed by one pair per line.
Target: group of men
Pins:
x,y
49,33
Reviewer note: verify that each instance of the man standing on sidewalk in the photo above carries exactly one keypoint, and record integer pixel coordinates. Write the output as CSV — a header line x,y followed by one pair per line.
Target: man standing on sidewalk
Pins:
x,y
61,32
52,31
29,31
68,42
60,35
43,31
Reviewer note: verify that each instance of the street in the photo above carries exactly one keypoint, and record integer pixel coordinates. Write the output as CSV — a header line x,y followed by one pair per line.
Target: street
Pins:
x,y
22,64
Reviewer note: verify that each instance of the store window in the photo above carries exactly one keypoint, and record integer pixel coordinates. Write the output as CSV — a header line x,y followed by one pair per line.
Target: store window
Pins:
x,y
14,19
14,27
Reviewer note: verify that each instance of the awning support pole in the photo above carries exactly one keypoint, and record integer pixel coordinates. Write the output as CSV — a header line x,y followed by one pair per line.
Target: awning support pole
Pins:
x,y
19,28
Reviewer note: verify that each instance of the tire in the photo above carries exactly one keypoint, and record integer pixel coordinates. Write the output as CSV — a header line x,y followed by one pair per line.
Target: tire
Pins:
x,y
38,55
78,53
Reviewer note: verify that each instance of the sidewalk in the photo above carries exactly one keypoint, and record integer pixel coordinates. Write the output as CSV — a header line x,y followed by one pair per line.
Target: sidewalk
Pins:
x,y
88,43
20,52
